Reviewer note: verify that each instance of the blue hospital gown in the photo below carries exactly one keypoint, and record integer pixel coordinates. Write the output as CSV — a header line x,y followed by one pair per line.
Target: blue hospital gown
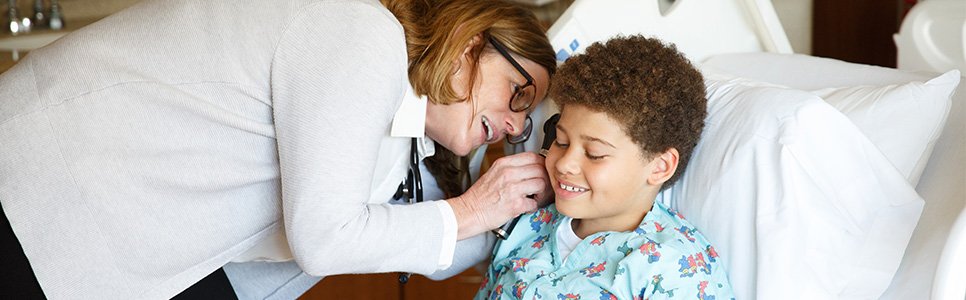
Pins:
x,y
664,258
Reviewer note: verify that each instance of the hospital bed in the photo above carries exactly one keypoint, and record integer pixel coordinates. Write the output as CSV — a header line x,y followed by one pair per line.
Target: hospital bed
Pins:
x,y
745,38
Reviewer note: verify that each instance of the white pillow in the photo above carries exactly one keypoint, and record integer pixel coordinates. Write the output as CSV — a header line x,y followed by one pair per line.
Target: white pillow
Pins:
x,y
794,197
807,72
902,113
902,120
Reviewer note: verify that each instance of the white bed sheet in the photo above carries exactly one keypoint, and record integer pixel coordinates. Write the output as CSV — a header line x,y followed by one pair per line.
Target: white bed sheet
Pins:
x,y
943,187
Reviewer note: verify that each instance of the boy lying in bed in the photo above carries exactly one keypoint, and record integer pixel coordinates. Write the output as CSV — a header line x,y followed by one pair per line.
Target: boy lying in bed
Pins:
x,y
632,110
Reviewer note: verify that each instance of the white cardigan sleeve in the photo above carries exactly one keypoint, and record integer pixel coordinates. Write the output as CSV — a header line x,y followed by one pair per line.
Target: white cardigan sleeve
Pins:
x,y
339,75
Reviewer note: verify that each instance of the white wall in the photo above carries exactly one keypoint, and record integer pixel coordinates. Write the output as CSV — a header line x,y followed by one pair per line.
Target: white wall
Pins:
x,y
796,17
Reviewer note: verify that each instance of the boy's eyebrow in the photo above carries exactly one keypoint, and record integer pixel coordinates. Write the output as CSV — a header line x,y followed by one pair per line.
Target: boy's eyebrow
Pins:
x,y
586,137
593,139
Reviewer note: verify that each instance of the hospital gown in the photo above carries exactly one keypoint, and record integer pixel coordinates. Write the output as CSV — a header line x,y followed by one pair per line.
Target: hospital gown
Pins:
x,y
663,258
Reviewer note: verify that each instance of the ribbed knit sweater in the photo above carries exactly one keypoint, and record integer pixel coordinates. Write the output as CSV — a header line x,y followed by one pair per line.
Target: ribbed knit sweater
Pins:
x,y
142,152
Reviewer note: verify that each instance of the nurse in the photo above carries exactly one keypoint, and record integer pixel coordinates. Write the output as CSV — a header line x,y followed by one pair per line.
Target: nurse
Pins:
x,y
142,153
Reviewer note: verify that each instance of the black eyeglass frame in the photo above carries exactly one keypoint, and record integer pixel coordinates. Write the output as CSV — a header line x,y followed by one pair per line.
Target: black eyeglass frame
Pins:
x,y
506,54
528,123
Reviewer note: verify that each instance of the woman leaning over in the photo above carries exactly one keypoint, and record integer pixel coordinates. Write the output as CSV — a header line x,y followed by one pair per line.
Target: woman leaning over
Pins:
x,y
140,154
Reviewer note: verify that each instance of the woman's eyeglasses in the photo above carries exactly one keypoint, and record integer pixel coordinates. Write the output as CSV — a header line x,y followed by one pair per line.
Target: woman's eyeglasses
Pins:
x,y
522,97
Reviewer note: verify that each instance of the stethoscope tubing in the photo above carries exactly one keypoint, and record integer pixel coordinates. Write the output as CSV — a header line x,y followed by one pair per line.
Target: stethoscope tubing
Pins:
x,y
414,168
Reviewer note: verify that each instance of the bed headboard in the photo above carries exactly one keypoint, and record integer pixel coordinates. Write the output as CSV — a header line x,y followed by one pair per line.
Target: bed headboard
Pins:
x,y
699,28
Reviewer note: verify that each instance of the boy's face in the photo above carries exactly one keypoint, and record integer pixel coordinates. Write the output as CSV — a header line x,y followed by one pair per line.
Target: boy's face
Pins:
x,y
598,173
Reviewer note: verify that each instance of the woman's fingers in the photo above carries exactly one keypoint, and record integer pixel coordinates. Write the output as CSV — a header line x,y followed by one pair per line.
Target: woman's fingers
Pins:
x,y
513,185
532,188
519,167
517,160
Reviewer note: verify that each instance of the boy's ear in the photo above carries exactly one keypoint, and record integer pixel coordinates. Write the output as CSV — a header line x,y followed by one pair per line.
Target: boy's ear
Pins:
x,y
664,166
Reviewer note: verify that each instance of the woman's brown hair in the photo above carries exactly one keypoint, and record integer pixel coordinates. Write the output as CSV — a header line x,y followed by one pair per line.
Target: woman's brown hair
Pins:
x,y
437,32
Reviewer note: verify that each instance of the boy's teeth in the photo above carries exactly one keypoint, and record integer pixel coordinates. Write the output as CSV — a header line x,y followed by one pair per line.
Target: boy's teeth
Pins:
x,y
571,188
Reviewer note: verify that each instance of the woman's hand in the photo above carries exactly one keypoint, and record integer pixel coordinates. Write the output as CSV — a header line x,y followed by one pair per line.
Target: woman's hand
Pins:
x,y
501,194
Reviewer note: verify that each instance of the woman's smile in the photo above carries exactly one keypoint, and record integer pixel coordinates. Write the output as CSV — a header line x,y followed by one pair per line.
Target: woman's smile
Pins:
x,y
489,135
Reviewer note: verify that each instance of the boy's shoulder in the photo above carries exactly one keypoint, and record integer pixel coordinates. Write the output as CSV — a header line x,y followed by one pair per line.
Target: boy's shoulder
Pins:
x,y
670,254
666,237
668,224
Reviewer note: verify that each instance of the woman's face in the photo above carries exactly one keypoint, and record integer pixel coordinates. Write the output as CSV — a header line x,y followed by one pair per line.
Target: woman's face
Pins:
x,y
485,117
598,173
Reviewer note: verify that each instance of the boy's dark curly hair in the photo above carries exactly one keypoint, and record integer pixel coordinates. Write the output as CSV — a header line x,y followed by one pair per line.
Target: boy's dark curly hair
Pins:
x,y
647,86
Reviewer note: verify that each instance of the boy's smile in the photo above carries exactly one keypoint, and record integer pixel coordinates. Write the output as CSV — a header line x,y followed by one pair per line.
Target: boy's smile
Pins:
x,y
571,188
567,190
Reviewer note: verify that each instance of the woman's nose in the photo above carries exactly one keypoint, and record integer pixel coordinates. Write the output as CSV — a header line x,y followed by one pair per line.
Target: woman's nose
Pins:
x,y
515,123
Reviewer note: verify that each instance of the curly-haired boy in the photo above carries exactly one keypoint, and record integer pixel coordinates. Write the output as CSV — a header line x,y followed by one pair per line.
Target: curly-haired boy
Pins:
x,y
632,111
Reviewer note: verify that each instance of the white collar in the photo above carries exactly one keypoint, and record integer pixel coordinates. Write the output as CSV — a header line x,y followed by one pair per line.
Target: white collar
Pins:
x,y
410,121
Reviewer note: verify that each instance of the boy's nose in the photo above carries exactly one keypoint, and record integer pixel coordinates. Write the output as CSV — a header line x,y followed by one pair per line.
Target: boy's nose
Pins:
x,y
567,164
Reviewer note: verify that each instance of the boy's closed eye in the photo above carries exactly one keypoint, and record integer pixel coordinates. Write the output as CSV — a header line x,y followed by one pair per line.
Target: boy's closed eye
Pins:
x,y
592,155
594,151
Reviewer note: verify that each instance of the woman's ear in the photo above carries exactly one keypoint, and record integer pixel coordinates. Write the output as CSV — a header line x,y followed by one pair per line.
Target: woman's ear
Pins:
x,y
467,58
664,166
472,44
462,72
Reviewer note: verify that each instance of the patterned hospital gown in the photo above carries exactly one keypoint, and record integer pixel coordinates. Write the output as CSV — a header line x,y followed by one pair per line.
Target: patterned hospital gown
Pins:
x,y
664,258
